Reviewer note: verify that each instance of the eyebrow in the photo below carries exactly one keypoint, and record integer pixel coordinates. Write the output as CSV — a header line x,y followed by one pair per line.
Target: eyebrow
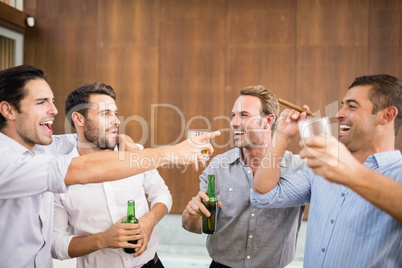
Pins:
x,y
43,99
108,110
241,112
351,100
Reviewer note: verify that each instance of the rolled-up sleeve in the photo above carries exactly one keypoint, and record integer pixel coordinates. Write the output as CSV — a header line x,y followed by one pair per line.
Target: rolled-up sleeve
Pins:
x,y
157,191
61,233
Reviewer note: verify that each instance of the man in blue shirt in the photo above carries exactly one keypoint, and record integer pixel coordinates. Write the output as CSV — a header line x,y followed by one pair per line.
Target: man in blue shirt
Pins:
x,y
355,210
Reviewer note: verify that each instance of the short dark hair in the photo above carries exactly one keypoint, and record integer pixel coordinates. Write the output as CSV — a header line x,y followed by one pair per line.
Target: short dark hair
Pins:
x,y
79,97
385,91
12,85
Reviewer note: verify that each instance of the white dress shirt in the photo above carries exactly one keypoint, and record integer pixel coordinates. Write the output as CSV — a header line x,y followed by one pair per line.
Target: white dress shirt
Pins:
x,y
93,208
26,202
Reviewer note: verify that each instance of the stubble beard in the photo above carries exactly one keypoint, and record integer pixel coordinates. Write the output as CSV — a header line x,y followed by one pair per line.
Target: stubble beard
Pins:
x,y
93,135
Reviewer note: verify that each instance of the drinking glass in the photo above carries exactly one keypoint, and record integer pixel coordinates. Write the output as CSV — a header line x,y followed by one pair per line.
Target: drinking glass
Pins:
x,y
314,127
193,133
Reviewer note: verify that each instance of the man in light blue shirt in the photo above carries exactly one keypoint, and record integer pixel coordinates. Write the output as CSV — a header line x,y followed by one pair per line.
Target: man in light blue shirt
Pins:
x,y
355,210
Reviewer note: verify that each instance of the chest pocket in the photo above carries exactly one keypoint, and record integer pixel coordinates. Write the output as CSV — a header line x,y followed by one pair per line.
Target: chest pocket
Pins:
x,y
235,199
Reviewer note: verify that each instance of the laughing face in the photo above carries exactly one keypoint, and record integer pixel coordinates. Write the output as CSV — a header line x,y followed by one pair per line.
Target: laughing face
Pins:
x,y
36,116
356,121
101,123
248,126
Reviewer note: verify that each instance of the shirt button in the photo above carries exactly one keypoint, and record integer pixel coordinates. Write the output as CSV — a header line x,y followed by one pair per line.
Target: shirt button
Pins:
x,y
252,214
248,257
323,249
332,221
251,236
230,189
249,172
342,194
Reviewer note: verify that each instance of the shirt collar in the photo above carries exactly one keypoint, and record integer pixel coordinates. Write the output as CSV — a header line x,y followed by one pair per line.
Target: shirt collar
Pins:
x,y
14,144
383,159
238,155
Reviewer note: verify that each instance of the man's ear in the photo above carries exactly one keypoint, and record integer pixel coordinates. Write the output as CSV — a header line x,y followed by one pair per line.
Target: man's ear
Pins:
x,y
269,121
78,119
388,115
8,111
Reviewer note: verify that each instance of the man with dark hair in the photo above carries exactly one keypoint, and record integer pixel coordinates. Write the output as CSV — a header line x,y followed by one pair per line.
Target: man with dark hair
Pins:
x,y
28,176
243,238
354,187
92,111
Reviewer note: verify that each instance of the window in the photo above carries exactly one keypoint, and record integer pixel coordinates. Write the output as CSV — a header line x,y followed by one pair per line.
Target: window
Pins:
x,y
11,48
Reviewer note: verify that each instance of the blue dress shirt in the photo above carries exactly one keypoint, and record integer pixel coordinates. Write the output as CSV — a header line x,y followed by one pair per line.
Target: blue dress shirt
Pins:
x,y
344,230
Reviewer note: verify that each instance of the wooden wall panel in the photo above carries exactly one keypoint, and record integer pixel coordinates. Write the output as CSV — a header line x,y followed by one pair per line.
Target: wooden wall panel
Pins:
x,y
179,65
261,46
128,58
56,40
191,80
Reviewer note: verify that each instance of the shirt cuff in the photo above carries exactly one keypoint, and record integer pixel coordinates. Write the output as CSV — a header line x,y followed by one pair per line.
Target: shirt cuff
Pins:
x,y
60,246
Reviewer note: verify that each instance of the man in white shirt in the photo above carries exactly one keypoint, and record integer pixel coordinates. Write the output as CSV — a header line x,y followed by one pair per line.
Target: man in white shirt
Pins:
x,y
28,176
88,219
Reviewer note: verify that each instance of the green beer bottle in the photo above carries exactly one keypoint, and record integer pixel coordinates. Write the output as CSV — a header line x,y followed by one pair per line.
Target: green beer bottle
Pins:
x,y
209,223
130,219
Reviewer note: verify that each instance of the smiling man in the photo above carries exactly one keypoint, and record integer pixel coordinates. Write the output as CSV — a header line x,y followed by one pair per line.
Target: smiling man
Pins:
x,y
30,173
243,237
354,187
92,111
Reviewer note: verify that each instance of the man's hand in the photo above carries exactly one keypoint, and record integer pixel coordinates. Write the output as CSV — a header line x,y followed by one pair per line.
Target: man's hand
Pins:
x,y
189,152
126,143
119,233
196,208
287,122
147,225
330,159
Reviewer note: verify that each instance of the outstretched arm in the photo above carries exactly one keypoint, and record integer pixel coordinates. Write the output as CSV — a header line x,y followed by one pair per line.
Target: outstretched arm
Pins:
x,y
109,166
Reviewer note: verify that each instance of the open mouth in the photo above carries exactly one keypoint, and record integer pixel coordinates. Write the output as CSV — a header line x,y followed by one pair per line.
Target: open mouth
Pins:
x,y
237,133
344,128
47,126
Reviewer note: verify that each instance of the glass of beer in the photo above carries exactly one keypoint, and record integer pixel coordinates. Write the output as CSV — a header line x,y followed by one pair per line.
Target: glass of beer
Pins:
x,y
193,133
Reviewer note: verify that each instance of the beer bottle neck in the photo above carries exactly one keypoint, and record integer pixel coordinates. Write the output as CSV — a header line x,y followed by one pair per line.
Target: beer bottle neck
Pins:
x,y
131,210
211,188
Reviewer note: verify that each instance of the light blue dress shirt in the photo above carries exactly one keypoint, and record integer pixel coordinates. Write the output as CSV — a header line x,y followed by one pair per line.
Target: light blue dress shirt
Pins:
x,y
27,180
344,230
